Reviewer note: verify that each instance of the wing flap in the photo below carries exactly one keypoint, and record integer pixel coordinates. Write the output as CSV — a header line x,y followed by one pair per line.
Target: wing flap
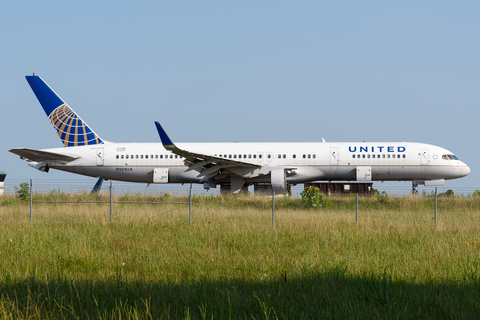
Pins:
x,y
39,155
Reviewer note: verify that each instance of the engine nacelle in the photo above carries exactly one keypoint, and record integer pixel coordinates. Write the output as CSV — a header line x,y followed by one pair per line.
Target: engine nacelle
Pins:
x,y
279,181
431,183
41,166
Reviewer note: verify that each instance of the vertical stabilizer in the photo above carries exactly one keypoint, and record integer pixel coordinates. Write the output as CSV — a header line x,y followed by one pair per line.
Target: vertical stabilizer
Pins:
x,y
71,129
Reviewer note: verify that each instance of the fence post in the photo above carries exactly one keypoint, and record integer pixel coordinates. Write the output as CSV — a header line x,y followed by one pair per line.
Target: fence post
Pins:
x,y
190,205
31,199
111,201
273,207
356,211
435,208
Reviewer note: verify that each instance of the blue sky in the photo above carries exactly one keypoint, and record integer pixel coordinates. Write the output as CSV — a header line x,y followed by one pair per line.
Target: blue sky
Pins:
x,y
245,71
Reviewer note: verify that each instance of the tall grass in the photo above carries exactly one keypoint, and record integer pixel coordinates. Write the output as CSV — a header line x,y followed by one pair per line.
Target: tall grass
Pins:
x,y
72,262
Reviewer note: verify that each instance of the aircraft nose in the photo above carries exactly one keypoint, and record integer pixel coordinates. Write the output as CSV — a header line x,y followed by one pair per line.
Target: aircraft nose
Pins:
x,y
465,170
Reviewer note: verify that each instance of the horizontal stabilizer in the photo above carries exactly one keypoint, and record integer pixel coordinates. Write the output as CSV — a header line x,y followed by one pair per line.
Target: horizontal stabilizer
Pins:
x,y
39,155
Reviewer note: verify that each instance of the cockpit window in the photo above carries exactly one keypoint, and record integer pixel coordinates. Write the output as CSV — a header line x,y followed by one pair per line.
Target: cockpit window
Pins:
x,y
449,157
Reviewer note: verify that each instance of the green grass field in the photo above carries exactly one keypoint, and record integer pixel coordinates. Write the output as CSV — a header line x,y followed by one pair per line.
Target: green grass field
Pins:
x,y
149,263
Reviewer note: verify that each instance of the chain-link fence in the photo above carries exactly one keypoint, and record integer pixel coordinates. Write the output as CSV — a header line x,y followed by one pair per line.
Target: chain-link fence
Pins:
x,y
130,199
38,194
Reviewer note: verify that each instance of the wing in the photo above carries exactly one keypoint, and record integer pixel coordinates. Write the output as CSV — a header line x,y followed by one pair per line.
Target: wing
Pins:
x,y
207,165
39,155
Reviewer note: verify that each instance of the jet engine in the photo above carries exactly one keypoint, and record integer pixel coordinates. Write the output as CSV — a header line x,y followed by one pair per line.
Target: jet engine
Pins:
x,y
41,166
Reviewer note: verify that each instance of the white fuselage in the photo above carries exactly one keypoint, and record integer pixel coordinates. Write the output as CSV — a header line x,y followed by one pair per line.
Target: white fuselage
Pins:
x,y
135,162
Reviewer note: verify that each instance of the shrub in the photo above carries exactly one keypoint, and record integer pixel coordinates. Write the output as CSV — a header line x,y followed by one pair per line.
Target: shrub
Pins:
x,y
8,202
382,197
23,191
448,193
311,197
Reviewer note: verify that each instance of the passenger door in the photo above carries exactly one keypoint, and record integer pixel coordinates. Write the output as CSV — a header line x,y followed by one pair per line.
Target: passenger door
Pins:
x,y
100,157
334,156
424,157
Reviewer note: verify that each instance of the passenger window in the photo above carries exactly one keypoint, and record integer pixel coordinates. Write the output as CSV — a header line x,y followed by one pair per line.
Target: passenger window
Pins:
x,y
388,156
393,156
259,156
363,156
146,156
254,156
353,156
304,156
156,156
309,156
176,156
249,156
373,156
141,156
294,156
314,156
230,156
171,156
126,156
235,156
368,156
383,156
117,156
404,156
244,156
122,156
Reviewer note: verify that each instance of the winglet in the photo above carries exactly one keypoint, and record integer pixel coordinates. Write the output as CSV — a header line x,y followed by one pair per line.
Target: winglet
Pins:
x,y
167,142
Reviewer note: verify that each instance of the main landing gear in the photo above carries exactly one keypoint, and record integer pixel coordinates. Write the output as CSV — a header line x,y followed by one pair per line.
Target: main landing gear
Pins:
x,y
415,187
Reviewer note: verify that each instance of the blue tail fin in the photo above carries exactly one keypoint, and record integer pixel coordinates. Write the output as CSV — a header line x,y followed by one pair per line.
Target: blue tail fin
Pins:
x,y
71,129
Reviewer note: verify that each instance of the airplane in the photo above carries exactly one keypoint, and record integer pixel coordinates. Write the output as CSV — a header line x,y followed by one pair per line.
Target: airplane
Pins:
x,y
233,166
